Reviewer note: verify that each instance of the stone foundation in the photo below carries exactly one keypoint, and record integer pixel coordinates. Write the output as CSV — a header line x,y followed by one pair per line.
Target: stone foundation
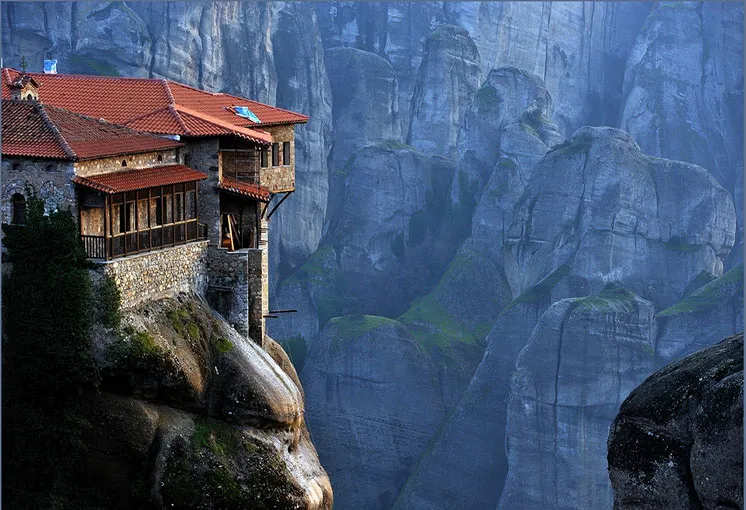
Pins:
x,y
238,288
159,273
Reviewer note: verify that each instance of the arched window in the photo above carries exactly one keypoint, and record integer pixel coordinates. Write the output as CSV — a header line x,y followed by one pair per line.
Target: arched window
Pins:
x,y
16,166
19,209
124,162
160,157
51,168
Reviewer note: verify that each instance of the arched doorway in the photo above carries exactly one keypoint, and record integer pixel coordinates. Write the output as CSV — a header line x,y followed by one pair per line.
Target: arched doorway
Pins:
x,y
19,209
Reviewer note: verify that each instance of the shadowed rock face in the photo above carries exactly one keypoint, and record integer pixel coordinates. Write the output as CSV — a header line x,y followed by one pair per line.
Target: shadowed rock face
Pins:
x,y
446,81
678,439
197,416
611,213
369,374
582,359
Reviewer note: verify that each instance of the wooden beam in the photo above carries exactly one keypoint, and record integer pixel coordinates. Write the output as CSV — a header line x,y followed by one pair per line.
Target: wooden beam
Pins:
x,y
287,194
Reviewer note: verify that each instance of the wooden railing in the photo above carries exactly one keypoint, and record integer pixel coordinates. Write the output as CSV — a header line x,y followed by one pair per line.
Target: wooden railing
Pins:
x,y
142,241
95,246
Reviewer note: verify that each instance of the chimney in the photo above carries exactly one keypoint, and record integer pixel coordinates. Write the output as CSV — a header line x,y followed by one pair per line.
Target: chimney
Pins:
x,y
50,66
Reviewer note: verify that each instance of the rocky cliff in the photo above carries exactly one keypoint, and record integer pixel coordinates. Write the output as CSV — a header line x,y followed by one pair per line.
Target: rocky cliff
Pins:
x,y
455,221
197,416
678,439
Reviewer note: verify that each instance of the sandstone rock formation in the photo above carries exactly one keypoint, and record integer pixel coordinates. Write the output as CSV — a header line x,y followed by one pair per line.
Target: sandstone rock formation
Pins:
x,y
678,439
197,416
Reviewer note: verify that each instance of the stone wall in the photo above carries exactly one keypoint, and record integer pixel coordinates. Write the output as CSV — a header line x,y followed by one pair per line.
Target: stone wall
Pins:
x,y
202,155
280,178
110,165
159,273
228,286
49,178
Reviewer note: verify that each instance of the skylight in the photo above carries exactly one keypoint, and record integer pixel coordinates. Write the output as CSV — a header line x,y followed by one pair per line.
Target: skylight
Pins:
x,y
243,111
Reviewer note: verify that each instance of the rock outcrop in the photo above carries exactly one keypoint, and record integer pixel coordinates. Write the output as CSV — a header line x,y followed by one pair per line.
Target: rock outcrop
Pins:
x,y
678,439
369,374
196,416
582,359
447,79
610,213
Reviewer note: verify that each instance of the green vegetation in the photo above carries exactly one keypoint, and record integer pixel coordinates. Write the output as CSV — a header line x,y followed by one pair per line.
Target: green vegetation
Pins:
x,y
487,98
711,294
507,164
542,291
216,436
223,345
532,121
47,360
677,243
110,301
183,324
355,326
613,298
433,326
89,65
581,144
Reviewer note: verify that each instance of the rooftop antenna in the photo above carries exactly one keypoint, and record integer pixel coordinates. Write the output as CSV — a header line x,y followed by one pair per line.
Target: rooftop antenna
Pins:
x,y
24,64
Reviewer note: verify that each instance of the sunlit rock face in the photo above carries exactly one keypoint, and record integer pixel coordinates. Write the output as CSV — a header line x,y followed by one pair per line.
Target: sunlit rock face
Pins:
x,y
678,439
197,416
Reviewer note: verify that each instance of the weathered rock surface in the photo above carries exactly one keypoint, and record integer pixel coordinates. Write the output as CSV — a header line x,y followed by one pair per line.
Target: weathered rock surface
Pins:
x,y
195,416
678,439
582,359
368,375
366,103
447,79
683,93
302,86
610,213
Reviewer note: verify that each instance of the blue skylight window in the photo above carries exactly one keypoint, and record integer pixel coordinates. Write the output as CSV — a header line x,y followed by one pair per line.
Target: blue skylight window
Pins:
x,y
243,111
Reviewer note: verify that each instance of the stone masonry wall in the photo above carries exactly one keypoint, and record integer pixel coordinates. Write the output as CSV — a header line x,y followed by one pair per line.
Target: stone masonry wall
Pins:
x,y
202,155
110,165
159,273
280,178
228,286
50,179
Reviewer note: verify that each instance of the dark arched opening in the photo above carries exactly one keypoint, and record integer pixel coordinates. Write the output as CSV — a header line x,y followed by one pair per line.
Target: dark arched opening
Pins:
x,y
19,209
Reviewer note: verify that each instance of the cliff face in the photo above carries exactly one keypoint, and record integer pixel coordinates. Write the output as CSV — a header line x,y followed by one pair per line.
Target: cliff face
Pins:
x,y
452,203
678,439
198,416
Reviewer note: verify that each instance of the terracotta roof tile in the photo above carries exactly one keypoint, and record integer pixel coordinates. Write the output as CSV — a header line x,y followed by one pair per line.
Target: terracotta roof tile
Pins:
x,y
141,103
250,190
141,178
34,129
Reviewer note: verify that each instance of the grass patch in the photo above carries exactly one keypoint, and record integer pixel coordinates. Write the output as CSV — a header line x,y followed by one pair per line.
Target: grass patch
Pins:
x,y
507,164
181,321
354,326
613,298
432,326
711,294
395,145
542,291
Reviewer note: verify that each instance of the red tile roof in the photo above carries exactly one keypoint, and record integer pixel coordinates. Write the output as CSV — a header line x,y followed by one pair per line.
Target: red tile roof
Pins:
x,y
140,178
34,129
143,104
242,188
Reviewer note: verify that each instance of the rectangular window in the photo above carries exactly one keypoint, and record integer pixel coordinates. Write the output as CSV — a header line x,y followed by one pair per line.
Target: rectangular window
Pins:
x,y
168,209
285,153
179,207
275,154
264,154
191,205
130,225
